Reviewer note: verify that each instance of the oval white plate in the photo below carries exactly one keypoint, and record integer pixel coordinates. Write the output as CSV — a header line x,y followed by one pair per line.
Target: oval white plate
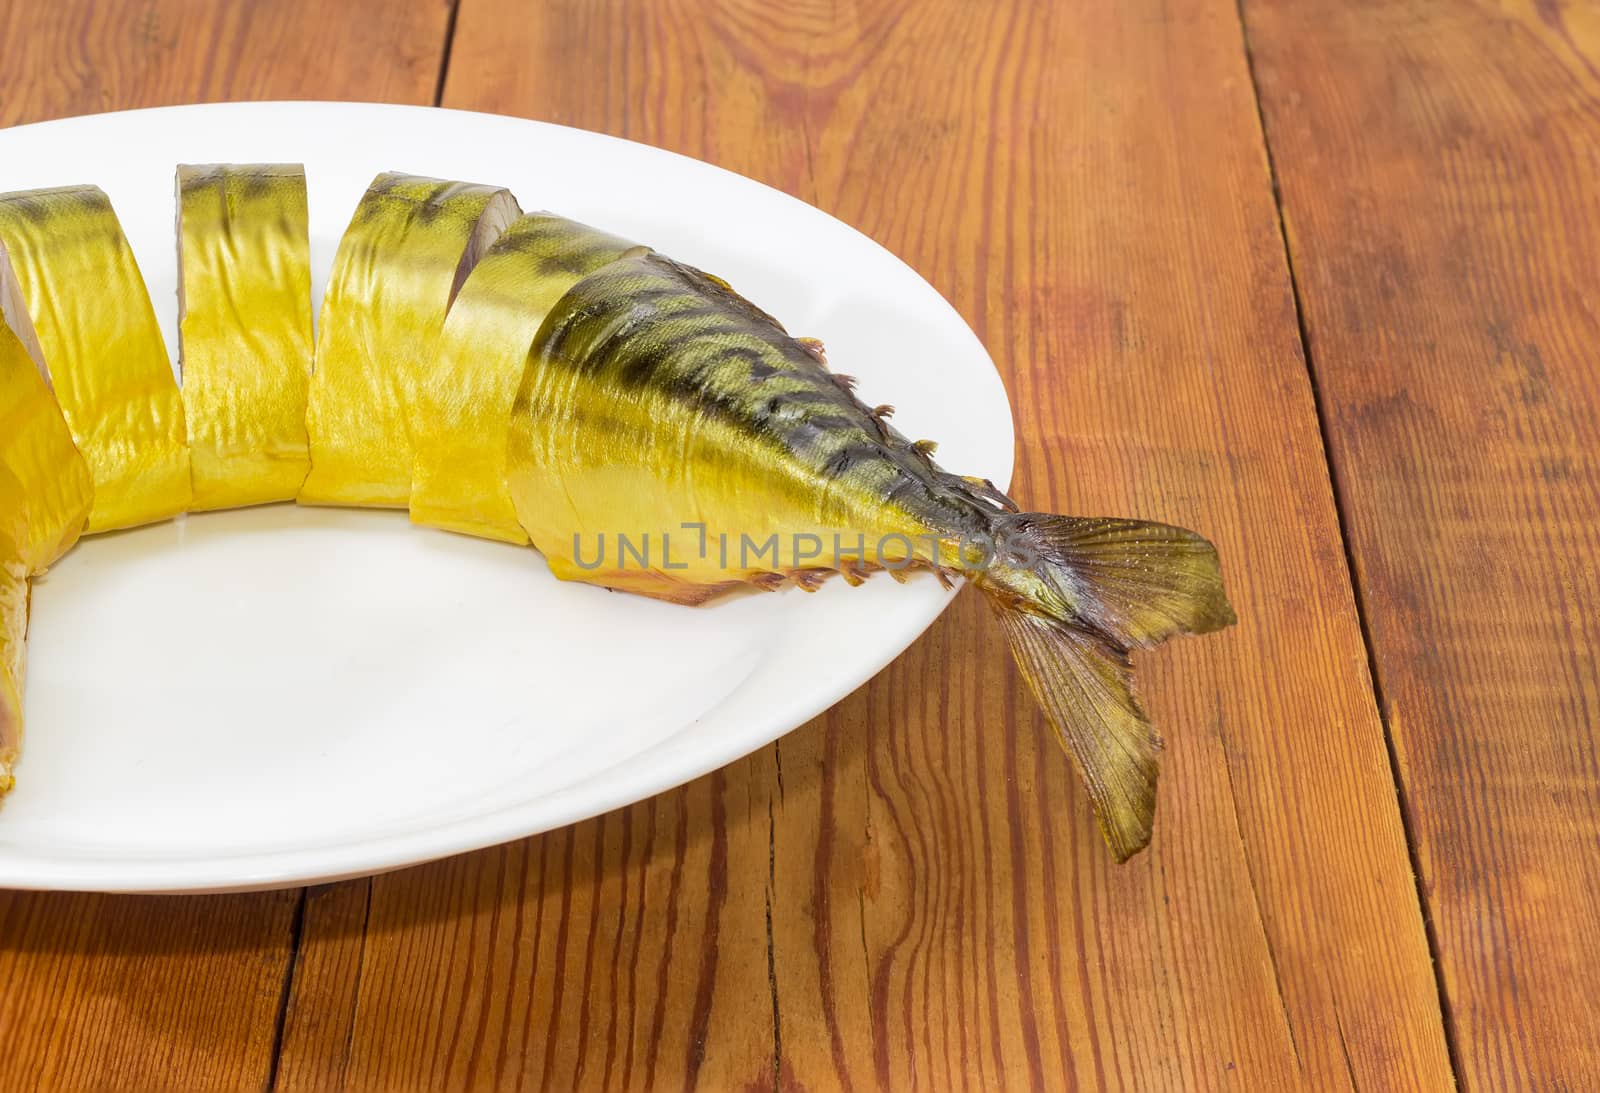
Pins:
x,y
285,695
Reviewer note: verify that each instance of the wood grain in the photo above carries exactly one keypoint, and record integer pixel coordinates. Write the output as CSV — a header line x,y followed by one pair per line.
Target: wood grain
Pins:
x,y
67,58
621,953
909,892
140,992
1439,165
107,992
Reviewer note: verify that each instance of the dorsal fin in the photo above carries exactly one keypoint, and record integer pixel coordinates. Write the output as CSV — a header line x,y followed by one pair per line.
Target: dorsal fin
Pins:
x,y
814,347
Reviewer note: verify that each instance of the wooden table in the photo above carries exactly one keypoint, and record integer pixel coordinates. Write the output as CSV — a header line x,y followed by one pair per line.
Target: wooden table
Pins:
x,y
1321,279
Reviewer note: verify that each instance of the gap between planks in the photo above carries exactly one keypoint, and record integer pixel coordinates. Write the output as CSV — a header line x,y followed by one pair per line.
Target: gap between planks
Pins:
x,y
297,927
1407,820
446,50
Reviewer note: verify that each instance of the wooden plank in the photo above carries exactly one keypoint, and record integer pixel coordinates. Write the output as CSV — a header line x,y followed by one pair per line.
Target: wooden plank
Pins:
x,y
140,992
1439,165
1087,184
106,992
75,57
627,952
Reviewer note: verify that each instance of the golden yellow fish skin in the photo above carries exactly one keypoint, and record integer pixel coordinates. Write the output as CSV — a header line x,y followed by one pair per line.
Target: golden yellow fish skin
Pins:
x,y
53,491
464,406
245,330
85,308
407,251
642,411
45,497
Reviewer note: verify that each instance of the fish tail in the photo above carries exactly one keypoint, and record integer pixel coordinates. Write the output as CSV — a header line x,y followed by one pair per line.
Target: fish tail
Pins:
x,y
1075,597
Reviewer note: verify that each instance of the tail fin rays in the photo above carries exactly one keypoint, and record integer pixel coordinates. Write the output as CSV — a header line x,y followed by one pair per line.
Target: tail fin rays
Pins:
x,y
1094,590
1086,688
1136,582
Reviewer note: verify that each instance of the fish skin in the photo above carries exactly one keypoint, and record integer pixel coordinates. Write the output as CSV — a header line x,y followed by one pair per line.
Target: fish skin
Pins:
x,y
245,330
650,363
656,399
48,492
101,349
410,245
463,404
45,496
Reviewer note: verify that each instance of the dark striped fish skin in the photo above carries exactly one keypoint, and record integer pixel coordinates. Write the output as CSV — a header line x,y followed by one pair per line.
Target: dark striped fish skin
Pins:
x,y
557,247
648,330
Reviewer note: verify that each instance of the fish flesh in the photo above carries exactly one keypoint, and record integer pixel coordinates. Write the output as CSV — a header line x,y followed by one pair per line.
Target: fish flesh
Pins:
x,y
408,250
13,654
244,330
657,399
75,297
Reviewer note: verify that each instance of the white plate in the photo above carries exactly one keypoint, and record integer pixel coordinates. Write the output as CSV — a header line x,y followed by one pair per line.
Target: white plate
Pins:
x,y
285,695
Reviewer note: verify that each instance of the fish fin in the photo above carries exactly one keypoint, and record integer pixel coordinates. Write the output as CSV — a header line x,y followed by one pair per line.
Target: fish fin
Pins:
x,y
768,582
880,417
815,347
986,491
1136,582
810,579
1092,591
1085,685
